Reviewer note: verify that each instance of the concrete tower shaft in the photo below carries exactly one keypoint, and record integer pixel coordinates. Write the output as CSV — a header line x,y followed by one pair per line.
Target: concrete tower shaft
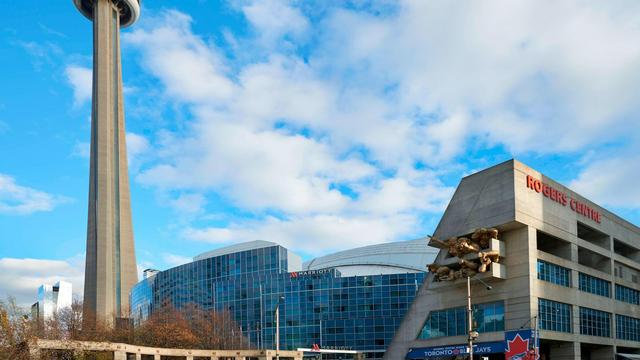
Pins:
x,y
110,270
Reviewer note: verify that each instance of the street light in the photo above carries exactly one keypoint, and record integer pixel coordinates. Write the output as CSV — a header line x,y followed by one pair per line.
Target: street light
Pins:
x,y
534,333
280,298
473,335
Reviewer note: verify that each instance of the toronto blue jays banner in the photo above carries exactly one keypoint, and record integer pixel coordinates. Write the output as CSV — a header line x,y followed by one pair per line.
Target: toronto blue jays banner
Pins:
x,y
447,351
519,345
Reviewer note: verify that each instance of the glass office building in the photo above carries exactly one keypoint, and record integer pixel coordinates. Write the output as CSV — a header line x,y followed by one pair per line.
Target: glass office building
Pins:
x,y
351,300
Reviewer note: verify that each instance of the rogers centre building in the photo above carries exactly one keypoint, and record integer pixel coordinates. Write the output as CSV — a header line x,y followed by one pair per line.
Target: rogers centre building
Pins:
x,y
568,268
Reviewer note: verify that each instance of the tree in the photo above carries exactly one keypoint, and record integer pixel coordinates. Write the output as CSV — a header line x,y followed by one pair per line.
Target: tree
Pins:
x,y
166,328
215,330
16,330
189,327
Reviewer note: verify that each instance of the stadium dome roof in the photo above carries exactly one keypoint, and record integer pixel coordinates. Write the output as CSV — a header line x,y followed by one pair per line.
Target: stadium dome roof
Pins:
x,y
394,257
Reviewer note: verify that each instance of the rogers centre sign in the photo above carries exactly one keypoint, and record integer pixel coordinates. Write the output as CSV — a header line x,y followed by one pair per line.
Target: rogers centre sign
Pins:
x,y
563,199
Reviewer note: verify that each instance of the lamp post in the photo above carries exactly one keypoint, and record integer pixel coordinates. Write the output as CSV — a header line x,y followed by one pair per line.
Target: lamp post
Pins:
x,y
278,327
534,334
473,335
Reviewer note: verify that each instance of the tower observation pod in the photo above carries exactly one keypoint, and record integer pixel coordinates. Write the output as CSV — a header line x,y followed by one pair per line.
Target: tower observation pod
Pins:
x,y
110,269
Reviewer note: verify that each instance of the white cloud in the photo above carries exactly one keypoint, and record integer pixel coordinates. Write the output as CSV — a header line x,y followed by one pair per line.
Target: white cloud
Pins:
x,y
398,195
194,70
574,72
611,181
312,234
21,200
189,203
274,20
80,78
212,234
173,260
137,148
345,139
260,169
21,278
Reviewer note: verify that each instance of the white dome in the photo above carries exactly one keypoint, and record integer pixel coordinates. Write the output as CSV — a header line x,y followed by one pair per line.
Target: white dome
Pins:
x,y
389,258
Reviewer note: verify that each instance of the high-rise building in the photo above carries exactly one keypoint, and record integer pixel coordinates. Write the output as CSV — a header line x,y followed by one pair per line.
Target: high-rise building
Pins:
x,y
51,299
353,300
110,270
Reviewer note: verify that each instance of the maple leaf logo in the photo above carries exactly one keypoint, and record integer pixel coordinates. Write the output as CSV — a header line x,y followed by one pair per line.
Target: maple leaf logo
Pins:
x,y
517,348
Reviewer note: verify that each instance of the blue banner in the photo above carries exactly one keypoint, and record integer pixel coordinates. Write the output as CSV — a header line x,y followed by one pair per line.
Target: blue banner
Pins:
x,y
438,352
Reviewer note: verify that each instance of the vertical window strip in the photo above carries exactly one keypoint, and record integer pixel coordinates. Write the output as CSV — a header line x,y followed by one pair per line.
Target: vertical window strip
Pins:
x,y
627,328
554,316
627,295
488,317
594,285
595,322
554,274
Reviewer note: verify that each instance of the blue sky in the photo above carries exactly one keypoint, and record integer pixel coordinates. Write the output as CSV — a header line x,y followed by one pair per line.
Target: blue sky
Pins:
x,y
318,125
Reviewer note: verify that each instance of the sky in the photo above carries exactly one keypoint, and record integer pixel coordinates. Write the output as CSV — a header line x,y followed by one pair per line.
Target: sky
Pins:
x,y
320,125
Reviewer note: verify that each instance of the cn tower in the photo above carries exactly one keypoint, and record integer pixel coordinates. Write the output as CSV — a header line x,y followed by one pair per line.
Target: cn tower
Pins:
x,y
110,269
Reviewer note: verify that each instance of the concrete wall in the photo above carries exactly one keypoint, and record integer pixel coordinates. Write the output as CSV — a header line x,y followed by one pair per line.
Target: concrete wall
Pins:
x,y
120,351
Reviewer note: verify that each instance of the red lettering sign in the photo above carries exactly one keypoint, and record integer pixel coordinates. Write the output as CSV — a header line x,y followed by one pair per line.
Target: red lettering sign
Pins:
x,y
563,199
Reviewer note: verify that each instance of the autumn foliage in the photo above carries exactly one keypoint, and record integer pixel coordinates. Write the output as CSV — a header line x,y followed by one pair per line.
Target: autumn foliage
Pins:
x,y
188,327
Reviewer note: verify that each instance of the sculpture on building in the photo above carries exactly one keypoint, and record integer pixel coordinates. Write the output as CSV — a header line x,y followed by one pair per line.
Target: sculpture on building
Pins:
x,y
479,243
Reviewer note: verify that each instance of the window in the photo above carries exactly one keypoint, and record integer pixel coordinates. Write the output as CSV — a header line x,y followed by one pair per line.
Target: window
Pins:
x,y
627,328
554,273
595,322
628,295
554,316
489,317
594,285
452,322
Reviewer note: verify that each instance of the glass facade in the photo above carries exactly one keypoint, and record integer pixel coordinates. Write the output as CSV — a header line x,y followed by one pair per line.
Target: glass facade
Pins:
x,y
594,285
595,322
452,322
628,295
554,316
554,274
627,328
319,307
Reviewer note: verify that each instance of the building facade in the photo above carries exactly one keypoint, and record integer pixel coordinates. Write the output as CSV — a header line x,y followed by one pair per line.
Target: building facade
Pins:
x,y
568,268
110,269
318,304
51,299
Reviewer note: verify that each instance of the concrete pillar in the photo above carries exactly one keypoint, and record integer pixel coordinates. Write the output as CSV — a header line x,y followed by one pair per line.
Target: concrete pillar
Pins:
x,y
119,355
565,351
138,356
156,357
189,357
574,252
